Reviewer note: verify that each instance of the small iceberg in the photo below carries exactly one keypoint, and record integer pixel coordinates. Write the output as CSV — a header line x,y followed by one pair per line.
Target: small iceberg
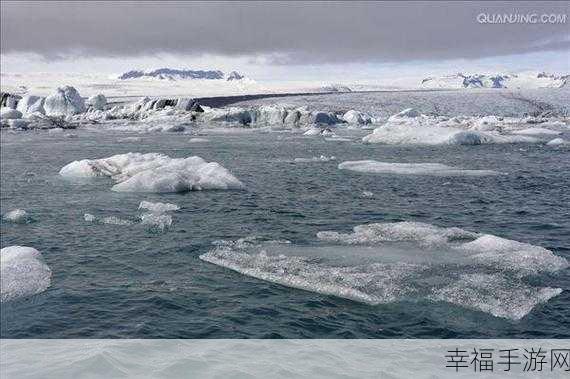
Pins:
x,y
158,221
354,117
153,172
198,140
17,216
556,142
158,207
409,127
65,101
536,131
23,273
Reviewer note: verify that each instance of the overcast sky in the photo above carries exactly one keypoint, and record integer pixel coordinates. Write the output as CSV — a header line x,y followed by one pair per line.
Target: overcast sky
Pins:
x,y
273,34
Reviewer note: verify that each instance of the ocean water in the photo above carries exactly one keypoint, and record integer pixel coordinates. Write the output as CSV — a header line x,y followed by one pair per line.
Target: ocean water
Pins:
x,y
128,281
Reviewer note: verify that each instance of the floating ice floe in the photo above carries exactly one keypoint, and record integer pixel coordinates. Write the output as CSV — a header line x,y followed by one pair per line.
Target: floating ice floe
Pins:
x,y
436,135
110,220
153,172
354,117
322,158
158,221
198,140
23,273
434,169
158,207
130,139
556,142
536,131
157,218
66,101
411,127
405,261
315,131
17,216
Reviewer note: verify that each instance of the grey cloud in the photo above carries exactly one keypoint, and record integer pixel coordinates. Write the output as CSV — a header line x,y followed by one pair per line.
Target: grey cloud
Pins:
x,y
295,32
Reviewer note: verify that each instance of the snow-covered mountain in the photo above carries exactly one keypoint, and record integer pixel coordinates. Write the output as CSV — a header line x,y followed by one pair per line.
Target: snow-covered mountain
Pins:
x,y
234,75
177,74
524,80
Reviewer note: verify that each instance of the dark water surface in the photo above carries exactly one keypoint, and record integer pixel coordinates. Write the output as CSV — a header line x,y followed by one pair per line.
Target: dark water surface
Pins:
x,y
128,282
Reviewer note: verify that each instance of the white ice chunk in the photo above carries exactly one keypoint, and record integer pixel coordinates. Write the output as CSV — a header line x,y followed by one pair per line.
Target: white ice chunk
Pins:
x,y
98,102
494,294
31,104
556,142
156,221
17,216
536,131
66,101
436,135
23,273
357,118
158,207
198,140
111,220
411,127
435,169
152,172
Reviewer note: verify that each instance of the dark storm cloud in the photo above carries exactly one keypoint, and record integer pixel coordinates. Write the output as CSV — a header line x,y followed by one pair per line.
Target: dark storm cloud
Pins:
x,y
301,32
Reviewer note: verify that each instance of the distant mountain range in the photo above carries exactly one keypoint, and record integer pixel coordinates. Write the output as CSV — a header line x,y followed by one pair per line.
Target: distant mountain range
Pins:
x,y
176,74
532,80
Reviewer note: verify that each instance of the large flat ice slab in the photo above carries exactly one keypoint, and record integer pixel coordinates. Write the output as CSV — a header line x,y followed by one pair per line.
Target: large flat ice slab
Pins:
x,y
405,261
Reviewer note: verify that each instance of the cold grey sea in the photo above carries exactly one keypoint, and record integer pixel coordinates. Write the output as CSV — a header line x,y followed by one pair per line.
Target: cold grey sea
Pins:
x,y
308,247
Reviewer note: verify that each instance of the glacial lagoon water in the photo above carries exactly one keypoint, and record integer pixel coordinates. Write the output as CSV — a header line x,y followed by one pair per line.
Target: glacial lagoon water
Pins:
x,y
131,281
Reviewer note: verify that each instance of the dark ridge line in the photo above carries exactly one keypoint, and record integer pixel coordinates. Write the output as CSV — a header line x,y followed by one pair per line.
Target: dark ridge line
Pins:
x,y
222,101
